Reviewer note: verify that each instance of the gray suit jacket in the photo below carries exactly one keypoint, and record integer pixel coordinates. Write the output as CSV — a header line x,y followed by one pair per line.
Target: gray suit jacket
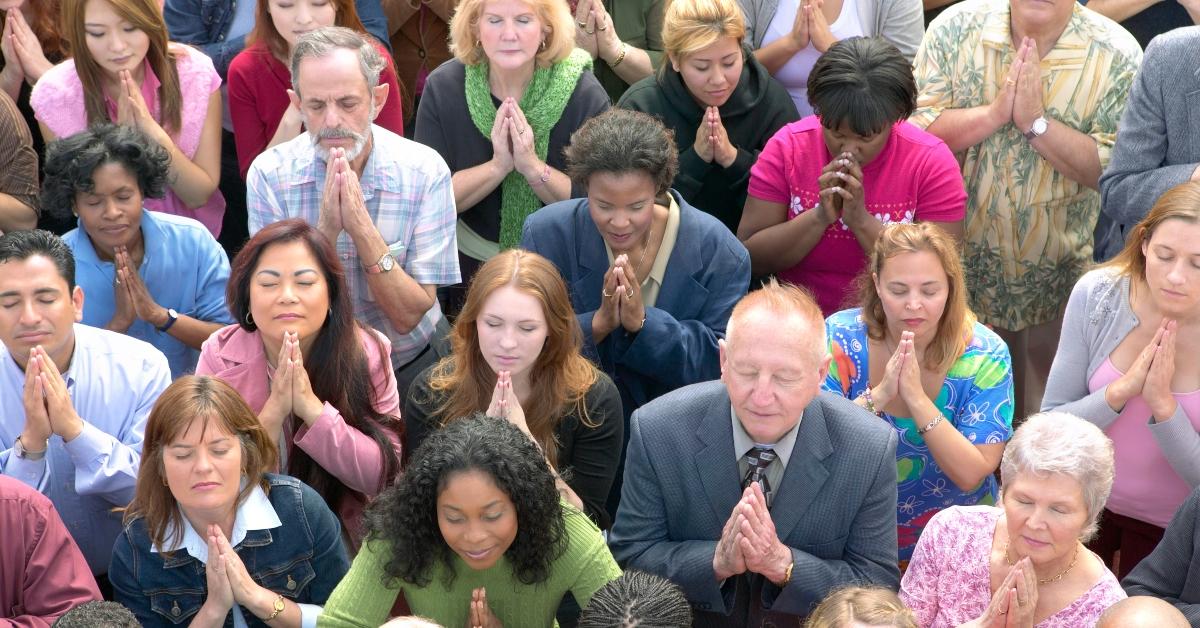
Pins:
x,y
1172,571
1158,141
835,507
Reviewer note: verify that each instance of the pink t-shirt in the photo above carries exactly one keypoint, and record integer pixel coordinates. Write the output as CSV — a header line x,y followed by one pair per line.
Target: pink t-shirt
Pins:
x,y
1146,487
57,102
914,178
948,582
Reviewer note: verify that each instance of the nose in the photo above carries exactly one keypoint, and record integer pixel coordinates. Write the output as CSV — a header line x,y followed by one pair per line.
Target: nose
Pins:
x,y
111,210
333,118
29,314
117,44
475,533
913,303
716,78
1176,274
303,14
507,341
203,462
287,292
762,393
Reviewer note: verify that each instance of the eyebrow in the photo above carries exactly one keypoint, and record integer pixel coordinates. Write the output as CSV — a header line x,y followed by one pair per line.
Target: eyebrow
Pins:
x,y
491,504
14,293
215,441
275,273
931,282
523,320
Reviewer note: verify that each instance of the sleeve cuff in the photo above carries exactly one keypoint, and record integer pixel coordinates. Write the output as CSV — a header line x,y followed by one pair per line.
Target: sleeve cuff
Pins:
x,y
309,614
33,473
89,445
323,424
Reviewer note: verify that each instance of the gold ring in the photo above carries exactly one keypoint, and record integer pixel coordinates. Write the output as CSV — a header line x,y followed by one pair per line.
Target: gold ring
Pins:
x,y
582,24
521,131
629,295
591,32
603,28
605,293
1010,82
1004,612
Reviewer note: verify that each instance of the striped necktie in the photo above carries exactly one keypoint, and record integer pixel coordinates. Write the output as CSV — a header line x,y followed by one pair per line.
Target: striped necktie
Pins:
x,y
758,459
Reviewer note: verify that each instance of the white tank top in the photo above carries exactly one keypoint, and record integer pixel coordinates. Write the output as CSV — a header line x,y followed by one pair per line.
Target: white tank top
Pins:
x,y
794,74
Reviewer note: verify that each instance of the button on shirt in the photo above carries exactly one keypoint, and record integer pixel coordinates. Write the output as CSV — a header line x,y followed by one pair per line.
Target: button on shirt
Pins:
x,y
183,268
113,381
254,513
742,443
406,188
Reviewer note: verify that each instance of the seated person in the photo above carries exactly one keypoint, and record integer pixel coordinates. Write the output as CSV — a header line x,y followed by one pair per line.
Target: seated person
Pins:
x,y
1142,611
19,207
260,77
319,380
860,607
1155,148
636,599
98,614
1169,572
707,461
1147,19
73,398
914,355
210,536
500,114
1126,362
1026,558
474,531
124,70
42,572
516,355
720,103
624,38
823,187
153,276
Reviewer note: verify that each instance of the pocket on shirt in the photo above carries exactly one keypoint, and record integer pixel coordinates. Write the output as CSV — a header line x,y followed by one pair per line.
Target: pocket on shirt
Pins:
x,y
176,606
289,580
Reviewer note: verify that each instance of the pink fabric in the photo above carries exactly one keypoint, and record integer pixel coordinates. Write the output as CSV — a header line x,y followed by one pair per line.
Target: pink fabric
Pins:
x,y
258,98
914,178
42,572
237,357
948,581
1146,487
57,102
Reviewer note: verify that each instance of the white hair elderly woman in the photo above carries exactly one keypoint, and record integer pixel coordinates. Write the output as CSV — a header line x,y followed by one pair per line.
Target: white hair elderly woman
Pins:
x,y
1025,559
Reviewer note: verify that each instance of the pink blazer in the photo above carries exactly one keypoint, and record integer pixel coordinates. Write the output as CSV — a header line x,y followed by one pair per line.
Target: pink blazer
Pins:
x,y
237,357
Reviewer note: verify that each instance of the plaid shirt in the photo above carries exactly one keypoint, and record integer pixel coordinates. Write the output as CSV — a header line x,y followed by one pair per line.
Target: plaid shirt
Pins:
x,y
407,190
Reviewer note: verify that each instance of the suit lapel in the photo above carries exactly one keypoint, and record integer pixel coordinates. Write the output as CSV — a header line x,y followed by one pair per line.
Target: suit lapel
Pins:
x,y
806,471
716,463
593,261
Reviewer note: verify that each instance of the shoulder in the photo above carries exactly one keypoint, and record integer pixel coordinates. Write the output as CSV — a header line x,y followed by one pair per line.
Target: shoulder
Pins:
x,y
18,500
182,230
714,239
249,61
1103,33
288,494
1175,45
969,14
401,157
681,410
847,428
644,95
451,75
216,345
122,352
286,160
957,525
191,63
1102,286
557,217
919,139
602,387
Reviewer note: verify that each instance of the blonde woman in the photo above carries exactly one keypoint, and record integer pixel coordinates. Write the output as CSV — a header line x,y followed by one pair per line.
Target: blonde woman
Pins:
x,y
719,101
856,607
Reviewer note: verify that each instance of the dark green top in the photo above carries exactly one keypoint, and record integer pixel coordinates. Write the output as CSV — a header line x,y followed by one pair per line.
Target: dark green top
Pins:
x,y
639,23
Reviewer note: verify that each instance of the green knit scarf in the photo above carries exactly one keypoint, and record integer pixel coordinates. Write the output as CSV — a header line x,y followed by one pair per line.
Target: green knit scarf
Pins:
x,y
543,104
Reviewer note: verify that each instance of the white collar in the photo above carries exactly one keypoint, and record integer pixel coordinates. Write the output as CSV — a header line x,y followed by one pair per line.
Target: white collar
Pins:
x,y
254,513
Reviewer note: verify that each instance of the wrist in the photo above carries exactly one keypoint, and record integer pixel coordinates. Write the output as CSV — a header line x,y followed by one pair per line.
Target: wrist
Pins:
x,y
213,613
159,317
783,566
34,442
72,427
1162,412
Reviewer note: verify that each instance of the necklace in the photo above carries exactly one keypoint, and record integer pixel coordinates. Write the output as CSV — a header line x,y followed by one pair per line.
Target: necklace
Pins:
x,y
645,247
1055,578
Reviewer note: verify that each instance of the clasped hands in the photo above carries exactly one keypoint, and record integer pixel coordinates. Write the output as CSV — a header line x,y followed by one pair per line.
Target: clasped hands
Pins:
x,y
505,404
901,376
480,615
712,140
291,390
1149,375
47,403
749,542
841,192
620,301
133,300
810,26
24,59
1020,98
229,582
342,205
594,30
1015,601
513,144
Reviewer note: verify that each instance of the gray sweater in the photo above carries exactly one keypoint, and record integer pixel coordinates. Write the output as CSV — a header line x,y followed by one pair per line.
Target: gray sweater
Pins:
x,y
1097,319
902,22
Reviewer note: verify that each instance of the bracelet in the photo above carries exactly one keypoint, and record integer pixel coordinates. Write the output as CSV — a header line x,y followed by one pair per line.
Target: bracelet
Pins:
x,y
542,179
866,397
932,424
277,608
621,56
787,575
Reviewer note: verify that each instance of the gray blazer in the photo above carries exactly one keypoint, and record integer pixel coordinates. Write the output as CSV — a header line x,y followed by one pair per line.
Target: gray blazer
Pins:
x,y
1158,141
1171,571
901,22
835,507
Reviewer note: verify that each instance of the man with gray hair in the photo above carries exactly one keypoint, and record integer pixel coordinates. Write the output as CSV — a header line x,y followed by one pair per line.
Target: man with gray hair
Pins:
x,y
759,494
384,201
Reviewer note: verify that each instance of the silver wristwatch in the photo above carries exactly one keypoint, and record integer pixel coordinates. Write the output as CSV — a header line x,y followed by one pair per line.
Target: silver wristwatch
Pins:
x,y
1039,128
385,263
25,454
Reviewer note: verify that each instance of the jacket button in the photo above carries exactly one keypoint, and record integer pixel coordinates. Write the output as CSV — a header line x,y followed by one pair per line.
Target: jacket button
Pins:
x,y
175,609
291,584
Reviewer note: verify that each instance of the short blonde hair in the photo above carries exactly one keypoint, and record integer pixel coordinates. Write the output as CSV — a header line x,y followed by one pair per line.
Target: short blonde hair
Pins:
x,y
873,606
693,25
557,21
783,300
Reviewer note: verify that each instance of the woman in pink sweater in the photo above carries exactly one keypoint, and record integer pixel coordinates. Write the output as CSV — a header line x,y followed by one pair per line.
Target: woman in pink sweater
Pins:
x,y
321,383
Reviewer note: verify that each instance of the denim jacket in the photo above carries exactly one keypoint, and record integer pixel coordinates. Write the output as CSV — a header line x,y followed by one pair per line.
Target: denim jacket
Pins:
x,y
303,560
204,23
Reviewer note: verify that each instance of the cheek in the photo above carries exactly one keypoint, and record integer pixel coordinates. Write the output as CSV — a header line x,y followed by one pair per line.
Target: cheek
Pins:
x,y
327,17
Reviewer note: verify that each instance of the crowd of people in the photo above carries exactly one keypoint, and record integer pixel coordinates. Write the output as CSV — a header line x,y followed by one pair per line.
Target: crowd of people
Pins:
x,y
599,313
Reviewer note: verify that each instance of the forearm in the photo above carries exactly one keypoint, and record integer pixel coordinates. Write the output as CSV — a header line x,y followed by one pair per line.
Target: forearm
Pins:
x,y
402,299
1070,152
866,230
775,54
635,66
15,215
1120,10
784,245
961,459
961,129
191,183
10,81
473,184
557,186
347,453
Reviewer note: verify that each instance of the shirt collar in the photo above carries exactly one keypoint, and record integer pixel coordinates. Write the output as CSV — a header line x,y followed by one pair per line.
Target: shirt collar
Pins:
x,y
254,513
742,442
659,269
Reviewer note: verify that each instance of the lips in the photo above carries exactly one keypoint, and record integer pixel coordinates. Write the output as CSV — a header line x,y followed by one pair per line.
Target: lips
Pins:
x,y
122,60
205,486
477,555
288,316
32,335
913,322
1034,544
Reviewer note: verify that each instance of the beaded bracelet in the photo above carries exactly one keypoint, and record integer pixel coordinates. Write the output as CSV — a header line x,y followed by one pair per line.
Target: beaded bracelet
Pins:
x,y
932,424
870,403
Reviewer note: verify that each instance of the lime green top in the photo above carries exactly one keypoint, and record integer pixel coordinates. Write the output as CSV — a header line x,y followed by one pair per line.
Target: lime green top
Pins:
x,y
362,599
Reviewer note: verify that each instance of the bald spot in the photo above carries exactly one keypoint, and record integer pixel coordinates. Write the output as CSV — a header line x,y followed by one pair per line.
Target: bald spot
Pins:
x,y
760,323
1142,611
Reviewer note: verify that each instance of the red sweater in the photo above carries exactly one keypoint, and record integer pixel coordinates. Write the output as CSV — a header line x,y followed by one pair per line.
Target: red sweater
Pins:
x,y
258,85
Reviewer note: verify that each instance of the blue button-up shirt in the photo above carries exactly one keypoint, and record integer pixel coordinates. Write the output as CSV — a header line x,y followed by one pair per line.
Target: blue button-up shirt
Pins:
x,y
113,381
183,268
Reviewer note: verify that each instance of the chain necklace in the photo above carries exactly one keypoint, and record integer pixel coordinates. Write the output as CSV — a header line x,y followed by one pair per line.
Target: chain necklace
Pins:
x,y
1055,578
645,247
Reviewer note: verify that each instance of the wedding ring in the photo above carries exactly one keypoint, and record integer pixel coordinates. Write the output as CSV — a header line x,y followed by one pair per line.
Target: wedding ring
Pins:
x,y
582,24
521,131
591,32
605,293
1004,612
629,295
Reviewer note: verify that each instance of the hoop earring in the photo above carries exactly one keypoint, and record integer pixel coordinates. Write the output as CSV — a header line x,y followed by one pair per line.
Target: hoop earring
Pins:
x,y
248,319
543,43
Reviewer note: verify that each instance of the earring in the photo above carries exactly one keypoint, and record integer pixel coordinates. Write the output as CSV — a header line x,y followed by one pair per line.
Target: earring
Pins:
x,y
249,319
543,43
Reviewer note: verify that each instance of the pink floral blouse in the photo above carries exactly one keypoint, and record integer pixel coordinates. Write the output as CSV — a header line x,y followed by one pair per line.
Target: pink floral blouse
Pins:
x,y
948,582
57,102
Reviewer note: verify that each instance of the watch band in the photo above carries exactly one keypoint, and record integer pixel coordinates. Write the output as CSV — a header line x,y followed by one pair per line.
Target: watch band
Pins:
x,y
25,454
172,316
385,263
277,607
1033,132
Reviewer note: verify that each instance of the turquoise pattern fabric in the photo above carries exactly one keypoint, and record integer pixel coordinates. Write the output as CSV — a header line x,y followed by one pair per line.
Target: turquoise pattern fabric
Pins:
x,y
976,398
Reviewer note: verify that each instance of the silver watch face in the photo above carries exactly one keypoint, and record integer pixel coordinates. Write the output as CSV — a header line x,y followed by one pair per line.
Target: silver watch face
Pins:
x,y
1039,126
387,262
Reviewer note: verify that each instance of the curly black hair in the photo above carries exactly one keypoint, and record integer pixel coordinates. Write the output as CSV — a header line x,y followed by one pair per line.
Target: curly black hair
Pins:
x,y
406,514
71,161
